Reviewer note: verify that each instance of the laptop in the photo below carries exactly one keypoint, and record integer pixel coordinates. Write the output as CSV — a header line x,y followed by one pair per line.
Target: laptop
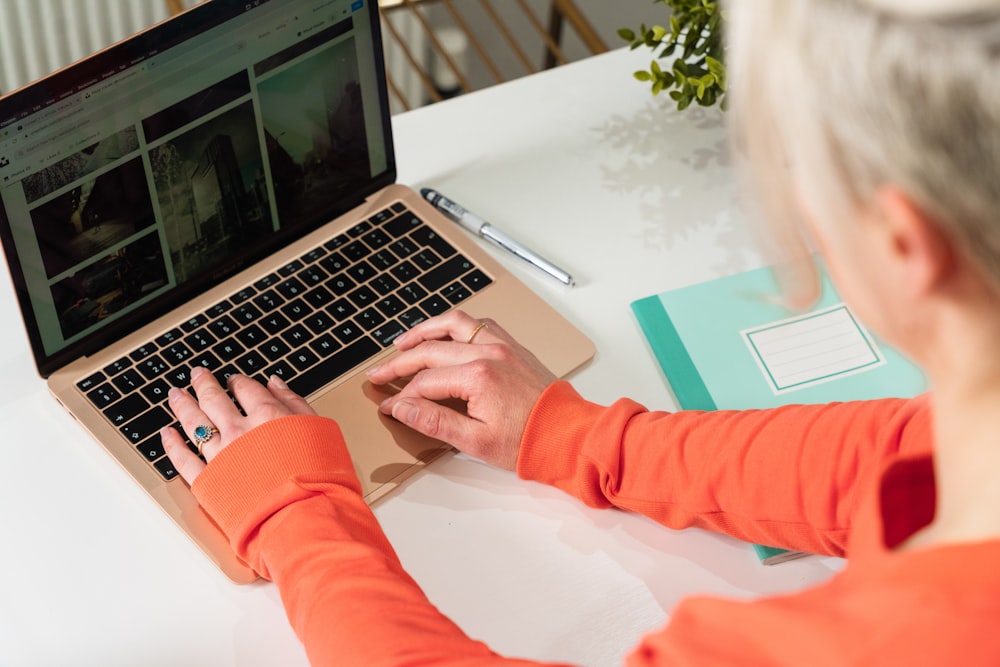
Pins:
x,y
219,190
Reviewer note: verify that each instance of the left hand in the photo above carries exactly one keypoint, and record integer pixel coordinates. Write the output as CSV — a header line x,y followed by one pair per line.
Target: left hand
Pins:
x,y
214,408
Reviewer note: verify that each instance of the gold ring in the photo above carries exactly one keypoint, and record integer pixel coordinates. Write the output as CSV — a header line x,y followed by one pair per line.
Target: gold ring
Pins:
x,y
202,434
475,332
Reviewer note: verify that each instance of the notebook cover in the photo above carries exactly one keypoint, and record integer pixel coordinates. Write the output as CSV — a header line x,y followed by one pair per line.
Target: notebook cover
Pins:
x,y
696,335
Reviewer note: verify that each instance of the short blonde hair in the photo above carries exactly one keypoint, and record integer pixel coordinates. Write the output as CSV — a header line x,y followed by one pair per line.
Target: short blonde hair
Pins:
x,y
833,99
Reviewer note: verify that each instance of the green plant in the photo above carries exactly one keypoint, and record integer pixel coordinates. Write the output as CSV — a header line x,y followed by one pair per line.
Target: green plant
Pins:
x,y
694,40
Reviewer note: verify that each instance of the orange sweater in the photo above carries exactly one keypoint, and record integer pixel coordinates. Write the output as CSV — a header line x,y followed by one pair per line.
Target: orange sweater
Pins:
x,y
845,478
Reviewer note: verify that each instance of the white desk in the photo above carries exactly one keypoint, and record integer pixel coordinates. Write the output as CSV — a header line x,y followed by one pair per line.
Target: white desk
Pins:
x,y
93,574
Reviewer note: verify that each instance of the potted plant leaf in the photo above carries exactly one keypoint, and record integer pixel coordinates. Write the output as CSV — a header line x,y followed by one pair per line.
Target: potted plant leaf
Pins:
x,y
694,42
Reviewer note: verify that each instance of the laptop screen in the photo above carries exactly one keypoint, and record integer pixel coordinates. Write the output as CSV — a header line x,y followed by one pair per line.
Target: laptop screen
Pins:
x,y
149,172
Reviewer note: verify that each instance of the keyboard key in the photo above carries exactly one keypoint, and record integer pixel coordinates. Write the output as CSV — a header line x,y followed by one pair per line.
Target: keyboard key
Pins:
x,y
250,363
383,260
428,237
270,280
313,276
252,336
291,288
359,229
334,263
151,448
274,323
171,336
275,349
181,376
282,369
402,225
126,409
290,269
355,251
118,366
205,360
347,332
369,319
228,350
223,374
336,242
376,239
268,301
412,318
223,327
398,207
404,248
199,340
383,215
128,381
319,297
91,381
388,332
405,272
244,294
142,352
147,424
177,353
194,323
426,259
296,310
296,336
313,255
156,392
325,345
152,367
451,270
245,314
318,322
333,366
166,468
341,284
390,305
434,305
412,293
220,308
456,293
384,284
362,297
303,359
361,272
104,395
476,280
342,309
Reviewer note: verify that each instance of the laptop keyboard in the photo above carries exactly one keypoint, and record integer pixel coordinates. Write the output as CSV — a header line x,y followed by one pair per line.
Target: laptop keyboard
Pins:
x,y
309,322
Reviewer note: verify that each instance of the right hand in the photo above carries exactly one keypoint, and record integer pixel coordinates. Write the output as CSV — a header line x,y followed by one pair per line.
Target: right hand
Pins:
x,y
499,380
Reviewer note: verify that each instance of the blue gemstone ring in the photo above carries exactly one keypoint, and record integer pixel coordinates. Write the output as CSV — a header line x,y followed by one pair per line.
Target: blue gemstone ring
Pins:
x,y
203,434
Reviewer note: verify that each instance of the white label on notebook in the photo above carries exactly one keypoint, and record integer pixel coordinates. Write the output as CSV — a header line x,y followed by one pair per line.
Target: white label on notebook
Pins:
x,y
810,349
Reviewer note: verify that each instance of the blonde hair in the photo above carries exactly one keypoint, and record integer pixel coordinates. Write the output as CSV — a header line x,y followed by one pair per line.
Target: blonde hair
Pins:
x,y
833,99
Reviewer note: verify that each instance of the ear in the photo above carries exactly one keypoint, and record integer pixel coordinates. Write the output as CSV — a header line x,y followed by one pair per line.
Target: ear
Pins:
x,y
923,254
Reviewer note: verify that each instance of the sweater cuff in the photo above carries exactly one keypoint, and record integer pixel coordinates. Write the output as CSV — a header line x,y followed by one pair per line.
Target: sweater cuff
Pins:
x,y
254,465
555,435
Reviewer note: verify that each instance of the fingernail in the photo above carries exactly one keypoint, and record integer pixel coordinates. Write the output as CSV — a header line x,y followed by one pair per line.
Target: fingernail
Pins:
x,y
198,371
372,371
405,412
277,382
174,393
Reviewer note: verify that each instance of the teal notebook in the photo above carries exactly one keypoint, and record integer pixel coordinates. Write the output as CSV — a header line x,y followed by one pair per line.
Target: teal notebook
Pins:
x,y
729,344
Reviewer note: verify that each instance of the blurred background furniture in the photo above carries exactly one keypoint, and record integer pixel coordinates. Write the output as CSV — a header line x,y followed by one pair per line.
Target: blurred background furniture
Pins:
x,y
437,49
39,36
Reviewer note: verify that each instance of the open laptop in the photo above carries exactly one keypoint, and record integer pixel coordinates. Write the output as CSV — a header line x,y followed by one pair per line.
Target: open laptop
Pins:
x,y
219,190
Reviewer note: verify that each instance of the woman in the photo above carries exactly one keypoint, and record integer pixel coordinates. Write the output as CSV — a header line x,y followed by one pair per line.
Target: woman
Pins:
x,y
878,122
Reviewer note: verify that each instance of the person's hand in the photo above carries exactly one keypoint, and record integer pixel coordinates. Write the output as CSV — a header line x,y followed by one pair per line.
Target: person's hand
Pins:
x,y
215,411
457,357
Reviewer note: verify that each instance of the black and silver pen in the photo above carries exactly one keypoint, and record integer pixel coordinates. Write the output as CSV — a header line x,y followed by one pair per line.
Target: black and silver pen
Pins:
x,y
480,227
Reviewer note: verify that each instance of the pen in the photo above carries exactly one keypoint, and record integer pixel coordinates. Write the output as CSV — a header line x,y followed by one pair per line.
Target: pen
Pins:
x,y
473,223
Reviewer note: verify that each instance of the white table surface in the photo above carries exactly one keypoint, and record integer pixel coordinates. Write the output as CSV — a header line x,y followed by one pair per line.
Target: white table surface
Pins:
x,y
580,163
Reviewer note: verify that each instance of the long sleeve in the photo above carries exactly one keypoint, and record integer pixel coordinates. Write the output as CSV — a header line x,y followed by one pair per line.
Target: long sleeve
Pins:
x,y
789,477
287,497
